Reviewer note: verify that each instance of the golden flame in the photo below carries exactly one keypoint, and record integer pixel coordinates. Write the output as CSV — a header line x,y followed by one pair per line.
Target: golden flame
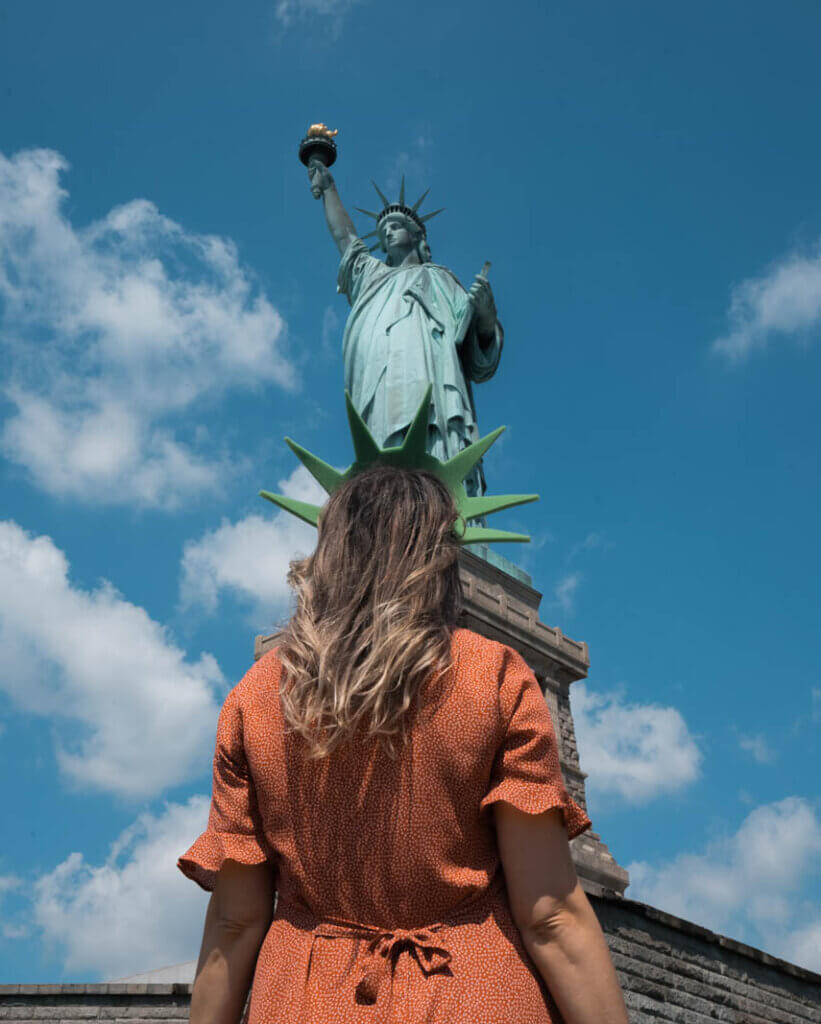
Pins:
x,y
321,131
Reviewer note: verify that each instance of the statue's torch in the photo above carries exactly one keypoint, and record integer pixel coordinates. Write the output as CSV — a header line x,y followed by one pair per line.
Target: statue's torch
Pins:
x,y
318,145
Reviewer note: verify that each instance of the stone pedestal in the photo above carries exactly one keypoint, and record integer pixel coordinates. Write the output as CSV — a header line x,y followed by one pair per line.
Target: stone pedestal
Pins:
x,y
500,603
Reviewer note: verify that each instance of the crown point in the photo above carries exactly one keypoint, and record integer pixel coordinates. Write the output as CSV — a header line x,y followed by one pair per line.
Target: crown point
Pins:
x,y
420,200
381,194
415,443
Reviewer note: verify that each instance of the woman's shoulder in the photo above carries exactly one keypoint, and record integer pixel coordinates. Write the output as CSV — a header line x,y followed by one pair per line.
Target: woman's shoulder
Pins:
x,y
476,648
480,660
259,682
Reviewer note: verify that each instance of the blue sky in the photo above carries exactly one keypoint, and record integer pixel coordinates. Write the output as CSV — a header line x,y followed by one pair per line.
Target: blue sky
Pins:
x,y
644,178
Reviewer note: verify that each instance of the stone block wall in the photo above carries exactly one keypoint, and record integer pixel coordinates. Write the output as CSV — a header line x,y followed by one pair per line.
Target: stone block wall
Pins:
x,y
105,1004
674,970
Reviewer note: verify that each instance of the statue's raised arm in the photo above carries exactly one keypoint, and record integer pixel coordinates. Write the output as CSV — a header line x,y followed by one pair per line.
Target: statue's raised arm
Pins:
x,y
323,185
318,151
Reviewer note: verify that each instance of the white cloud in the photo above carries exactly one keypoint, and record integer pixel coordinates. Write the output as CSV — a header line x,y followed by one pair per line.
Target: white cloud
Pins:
x,y
331,333
136,911
591,542
802,945
250,558
565,592
786,300
113,332
745,885
635,751
139,716
412,163
9,928
332,11
758,747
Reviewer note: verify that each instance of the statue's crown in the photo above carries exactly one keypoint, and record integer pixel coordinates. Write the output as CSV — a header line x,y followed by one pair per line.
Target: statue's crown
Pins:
x,y
411,212
411,454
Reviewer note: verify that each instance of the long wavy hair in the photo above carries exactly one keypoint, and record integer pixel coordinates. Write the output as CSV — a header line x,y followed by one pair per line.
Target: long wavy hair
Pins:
x,y
376,605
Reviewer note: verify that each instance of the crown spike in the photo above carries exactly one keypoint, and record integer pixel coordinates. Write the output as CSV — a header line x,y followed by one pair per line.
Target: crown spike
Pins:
x,y
435,212
457,468
411,453
367,213
473,508
380,193
326,476
487,535
402,192
414,446
364,446
301,509
420,200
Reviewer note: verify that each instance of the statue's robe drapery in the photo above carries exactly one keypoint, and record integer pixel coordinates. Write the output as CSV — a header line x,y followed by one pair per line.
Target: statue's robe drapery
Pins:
x,y
408,327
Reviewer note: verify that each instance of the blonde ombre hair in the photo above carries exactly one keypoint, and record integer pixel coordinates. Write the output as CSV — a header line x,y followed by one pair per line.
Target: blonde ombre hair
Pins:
x,y
376,605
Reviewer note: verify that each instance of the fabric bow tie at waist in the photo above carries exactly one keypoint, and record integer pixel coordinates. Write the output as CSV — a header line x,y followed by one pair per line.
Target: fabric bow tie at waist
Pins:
x,y
385,945
384,949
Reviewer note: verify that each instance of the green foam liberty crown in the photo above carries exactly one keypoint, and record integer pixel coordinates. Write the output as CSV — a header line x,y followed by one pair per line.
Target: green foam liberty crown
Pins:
x,y
411,454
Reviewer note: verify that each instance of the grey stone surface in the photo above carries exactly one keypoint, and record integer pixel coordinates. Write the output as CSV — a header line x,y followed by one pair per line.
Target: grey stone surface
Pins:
x,y
674,970
505,608
71,1003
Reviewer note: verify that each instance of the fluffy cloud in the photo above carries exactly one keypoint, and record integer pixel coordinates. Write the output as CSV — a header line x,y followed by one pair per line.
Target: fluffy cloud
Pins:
x,y
331,11
249,559
9,928
136,911
565,592
758,747
104,667
113,332
785,300
330,333
746,885
802,945
635,751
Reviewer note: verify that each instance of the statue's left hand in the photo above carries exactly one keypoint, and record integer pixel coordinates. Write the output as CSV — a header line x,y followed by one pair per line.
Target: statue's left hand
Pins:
x,y
481,297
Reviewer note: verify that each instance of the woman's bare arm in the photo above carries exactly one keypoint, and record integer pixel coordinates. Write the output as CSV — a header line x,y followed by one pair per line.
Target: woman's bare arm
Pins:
x,y
239,913
559,928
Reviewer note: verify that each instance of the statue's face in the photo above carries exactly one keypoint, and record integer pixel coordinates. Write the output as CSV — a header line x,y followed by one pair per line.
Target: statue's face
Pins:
x,y
395,235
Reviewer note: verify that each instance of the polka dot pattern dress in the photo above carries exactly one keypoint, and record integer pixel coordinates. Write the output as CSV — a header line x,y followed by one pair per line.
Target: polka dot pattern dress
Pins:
x,y
391,902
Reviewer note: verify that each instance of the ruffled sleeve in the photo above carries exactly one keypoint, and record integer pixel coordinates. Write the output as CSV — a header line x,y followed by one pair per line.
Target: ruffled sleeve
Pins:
x,y
526,770
234,825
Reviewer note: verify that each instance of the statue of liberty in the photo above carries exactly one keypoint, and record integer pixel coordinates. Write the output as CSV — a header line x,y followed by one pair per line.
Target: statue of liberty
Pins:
x,y
411,324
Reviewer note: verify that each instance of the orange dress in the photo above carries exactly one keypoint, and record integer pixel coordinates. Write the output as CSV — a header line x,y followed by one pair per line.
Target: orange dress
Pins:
x,y
391,902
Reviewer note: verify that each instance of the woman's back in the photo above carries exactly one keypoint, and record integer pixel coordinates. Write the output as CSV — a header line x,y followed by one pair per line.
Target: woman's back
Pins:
x,y
388,871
